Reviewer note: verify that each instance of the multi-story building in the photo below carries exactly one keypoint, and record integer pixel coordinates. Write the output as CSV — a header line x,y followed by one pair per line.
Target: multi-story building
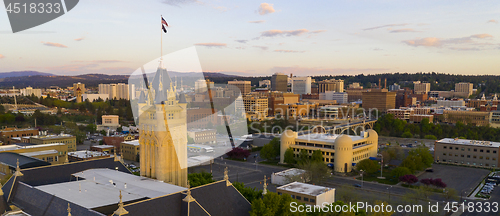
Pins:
x,y
379,99
450,103
256,107
108,149
203,85
422,88
275,98
308,193
117,91
8,165
301,85
243,86
394,87
331,85
342,150
476,118
355,94
340,97
355,85
464,87
86,155
412,115
67,139
54,153
279,82
7,134
201,117
116,140
467,152
495,119
130,150
404,98
295,110
265,83
202,136
28,91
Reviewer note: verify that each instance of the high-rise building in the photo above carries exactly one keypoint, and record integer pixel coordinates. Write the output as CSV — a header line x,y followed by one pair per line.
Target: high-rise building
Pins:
x,y
279,82
256,107
28,91
464,87
379,99
422,88
117,91
394,87
202,85
301,85
243,86
163,133
331,85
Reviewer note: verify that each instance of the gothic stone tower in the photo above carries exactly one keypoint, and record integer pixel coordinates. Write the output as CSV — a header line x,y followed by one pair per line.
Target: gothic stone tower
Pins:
x,y
163,132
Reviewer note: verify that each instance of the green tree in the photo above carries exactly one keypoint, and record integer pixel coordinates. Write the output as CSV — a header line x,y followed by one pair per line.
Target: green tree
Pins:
x,y
198,179
289,156
432,137
190,140
400,171
451,194
271,150
367,165
407,134
317,156
250,194
273,204
316,172
303,156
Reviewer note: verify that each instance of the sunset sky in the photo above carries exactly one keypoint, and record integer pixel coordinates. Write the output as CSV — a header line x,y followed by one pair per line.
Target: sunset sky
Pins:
x,y
254,38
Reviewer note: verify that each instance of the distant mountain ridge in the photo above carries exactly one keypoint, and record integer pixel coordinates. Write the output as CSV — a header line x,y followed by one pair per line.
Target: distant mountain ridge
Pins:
x,y
23,73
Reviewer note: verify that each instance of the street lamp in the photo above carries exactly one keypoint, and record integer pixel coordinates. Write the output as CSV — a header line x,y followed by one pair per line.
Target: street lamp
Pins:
x,y
361,178
388,189
381,166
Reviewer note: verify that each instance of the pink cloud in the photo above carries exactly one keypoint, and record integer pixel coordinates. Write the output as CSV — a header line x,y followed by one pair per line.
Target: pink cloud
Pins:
x,y
275,32
257,21
54,44
2,56
266,8
80,39
210,45
492,21
289,51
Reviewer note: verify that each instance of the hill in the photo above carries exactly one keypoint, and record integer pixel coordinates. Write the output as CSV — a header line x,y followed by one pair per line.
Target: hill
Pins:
x,y
23,73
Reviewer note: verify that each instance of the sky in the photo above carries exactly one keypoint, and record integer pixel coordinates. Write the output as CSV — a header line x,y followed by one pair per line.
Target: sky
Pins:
x,y
255,38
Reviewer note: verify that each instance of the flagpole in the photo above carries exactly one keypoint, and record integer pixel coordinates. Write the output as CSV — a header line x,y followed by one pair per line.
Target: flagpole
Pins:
x,y
161,38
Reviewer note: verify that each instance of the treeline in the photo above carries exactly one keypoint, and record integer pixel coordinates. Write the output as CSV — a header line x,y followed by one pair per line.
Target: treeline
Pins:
x,y
387,125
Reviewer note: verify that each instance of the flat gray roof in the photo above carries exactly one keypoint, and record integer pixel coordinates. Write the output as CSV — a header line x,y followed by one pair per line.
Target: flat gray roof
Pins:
x,y
330,138
304,188
469,142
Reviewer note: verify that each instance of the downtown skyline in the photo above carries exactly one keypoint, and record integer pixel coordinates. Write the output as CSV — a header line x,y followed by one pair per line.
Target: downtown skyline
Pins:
x,y
261,38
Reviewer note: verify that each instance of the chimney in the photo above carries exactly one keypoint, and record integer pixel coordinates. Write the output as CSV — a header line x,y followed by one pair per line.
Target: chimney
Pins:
x,y
379,82
385,84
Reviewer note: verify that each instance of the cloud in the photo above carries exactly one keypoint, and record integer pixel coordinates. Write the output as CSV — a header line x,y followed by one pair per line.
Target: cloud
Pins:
x,y
492,21
384,26
257,21
210,45
220,8
314,71
266,8
240,47
403,30
54,44
80,39
100,61
317,31
275,32
289,51
465,43
377,49
261,47
241,41
2,56
179,2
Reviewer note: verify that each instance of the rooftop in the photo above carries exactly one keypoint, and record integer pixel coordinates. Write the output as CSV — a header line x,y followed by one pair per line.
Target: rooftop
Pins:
x,y
86,154
101,187
469,142
133,142
52,136
103,146
330,138
11,159
304,188
290,172
15,146
37,153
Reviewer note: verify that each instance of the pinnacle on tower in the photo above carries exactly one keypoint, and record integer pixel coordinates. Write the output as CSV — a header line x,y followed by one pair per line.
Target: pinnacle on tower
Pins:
x,y
18,170
264,191
69,210
120,211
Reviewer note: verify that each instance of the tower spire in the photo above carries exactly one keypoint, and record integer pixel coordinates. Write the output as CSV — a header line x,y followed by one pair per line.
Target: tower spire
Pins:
x,y
18,170
120,211
69,210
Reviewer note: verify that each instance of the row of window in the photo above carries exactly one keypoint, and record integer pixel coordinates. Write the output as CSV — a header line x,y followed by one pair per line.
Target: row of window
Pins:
x,y
468,149
468,156
300,198
468,163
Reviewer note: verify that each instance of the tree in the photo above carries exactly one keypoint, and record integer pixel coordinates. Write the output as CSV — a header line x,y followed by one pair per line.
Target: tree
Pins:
x,y
303,156
190,140
238,153
424,154
273,204
316,172
432,137
250,194
289,156
317,156
380,213
426,181
408,179
400,171
407,134
368,166
267,152
451,194
198,179
438,183
119,129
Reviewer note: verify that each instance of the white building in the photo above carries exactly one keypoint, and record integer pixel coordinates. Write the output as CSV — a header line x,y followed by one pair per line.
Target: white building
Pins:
x,y
308,193
451,103
28,91
93,97
422,88
265,83
290,175
340,97
117,91
301,85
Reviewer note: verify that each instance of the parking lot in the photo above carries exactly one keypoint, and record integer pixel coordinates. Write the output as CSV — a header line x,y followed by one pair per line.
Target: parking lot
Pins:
x,y
462,179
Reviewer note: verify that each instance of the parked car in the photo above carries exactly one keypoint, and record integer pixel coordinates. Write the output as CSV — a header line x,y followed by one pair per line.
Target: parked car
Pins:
x,y
357,185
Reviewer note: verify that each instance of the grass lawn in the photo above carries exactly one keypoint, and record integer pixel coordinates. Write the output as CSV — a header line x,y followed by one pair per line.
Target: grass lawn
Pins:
x,y
276,163
389,179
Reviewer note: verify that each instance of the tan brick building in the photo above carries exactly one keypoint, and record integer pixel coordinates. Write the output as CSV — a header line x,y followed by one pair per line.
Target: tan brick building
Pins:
x,y
467,152
380,99
7,134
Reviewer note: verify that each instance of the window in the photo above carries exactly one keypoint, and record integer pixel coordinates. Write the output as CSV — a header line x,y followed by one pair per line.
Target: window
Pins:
x,y
461,155
468,156
474,156
487,151
444,154
487,158
456,148
468,149
475,150
480,157
480,150
298,197
306,199
450,154
313,200
494,152
463,149
444,147
293,196
493,159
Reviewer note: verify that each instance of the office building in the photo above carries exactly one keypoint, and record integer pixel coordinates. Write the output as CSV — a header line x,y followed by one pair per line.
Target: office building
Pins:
x,y
475,118
355,94
243,86
355,85
265,83
301,85
117,91
116,140
340,97
464,87
331,85
29,91
342,150
67,139
467,152
130,150
295,110
308,193
422,88
279,82
379,99
202,136
495,119
394,87
9,162
256,107
450,103
203,85
7,134
54,153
